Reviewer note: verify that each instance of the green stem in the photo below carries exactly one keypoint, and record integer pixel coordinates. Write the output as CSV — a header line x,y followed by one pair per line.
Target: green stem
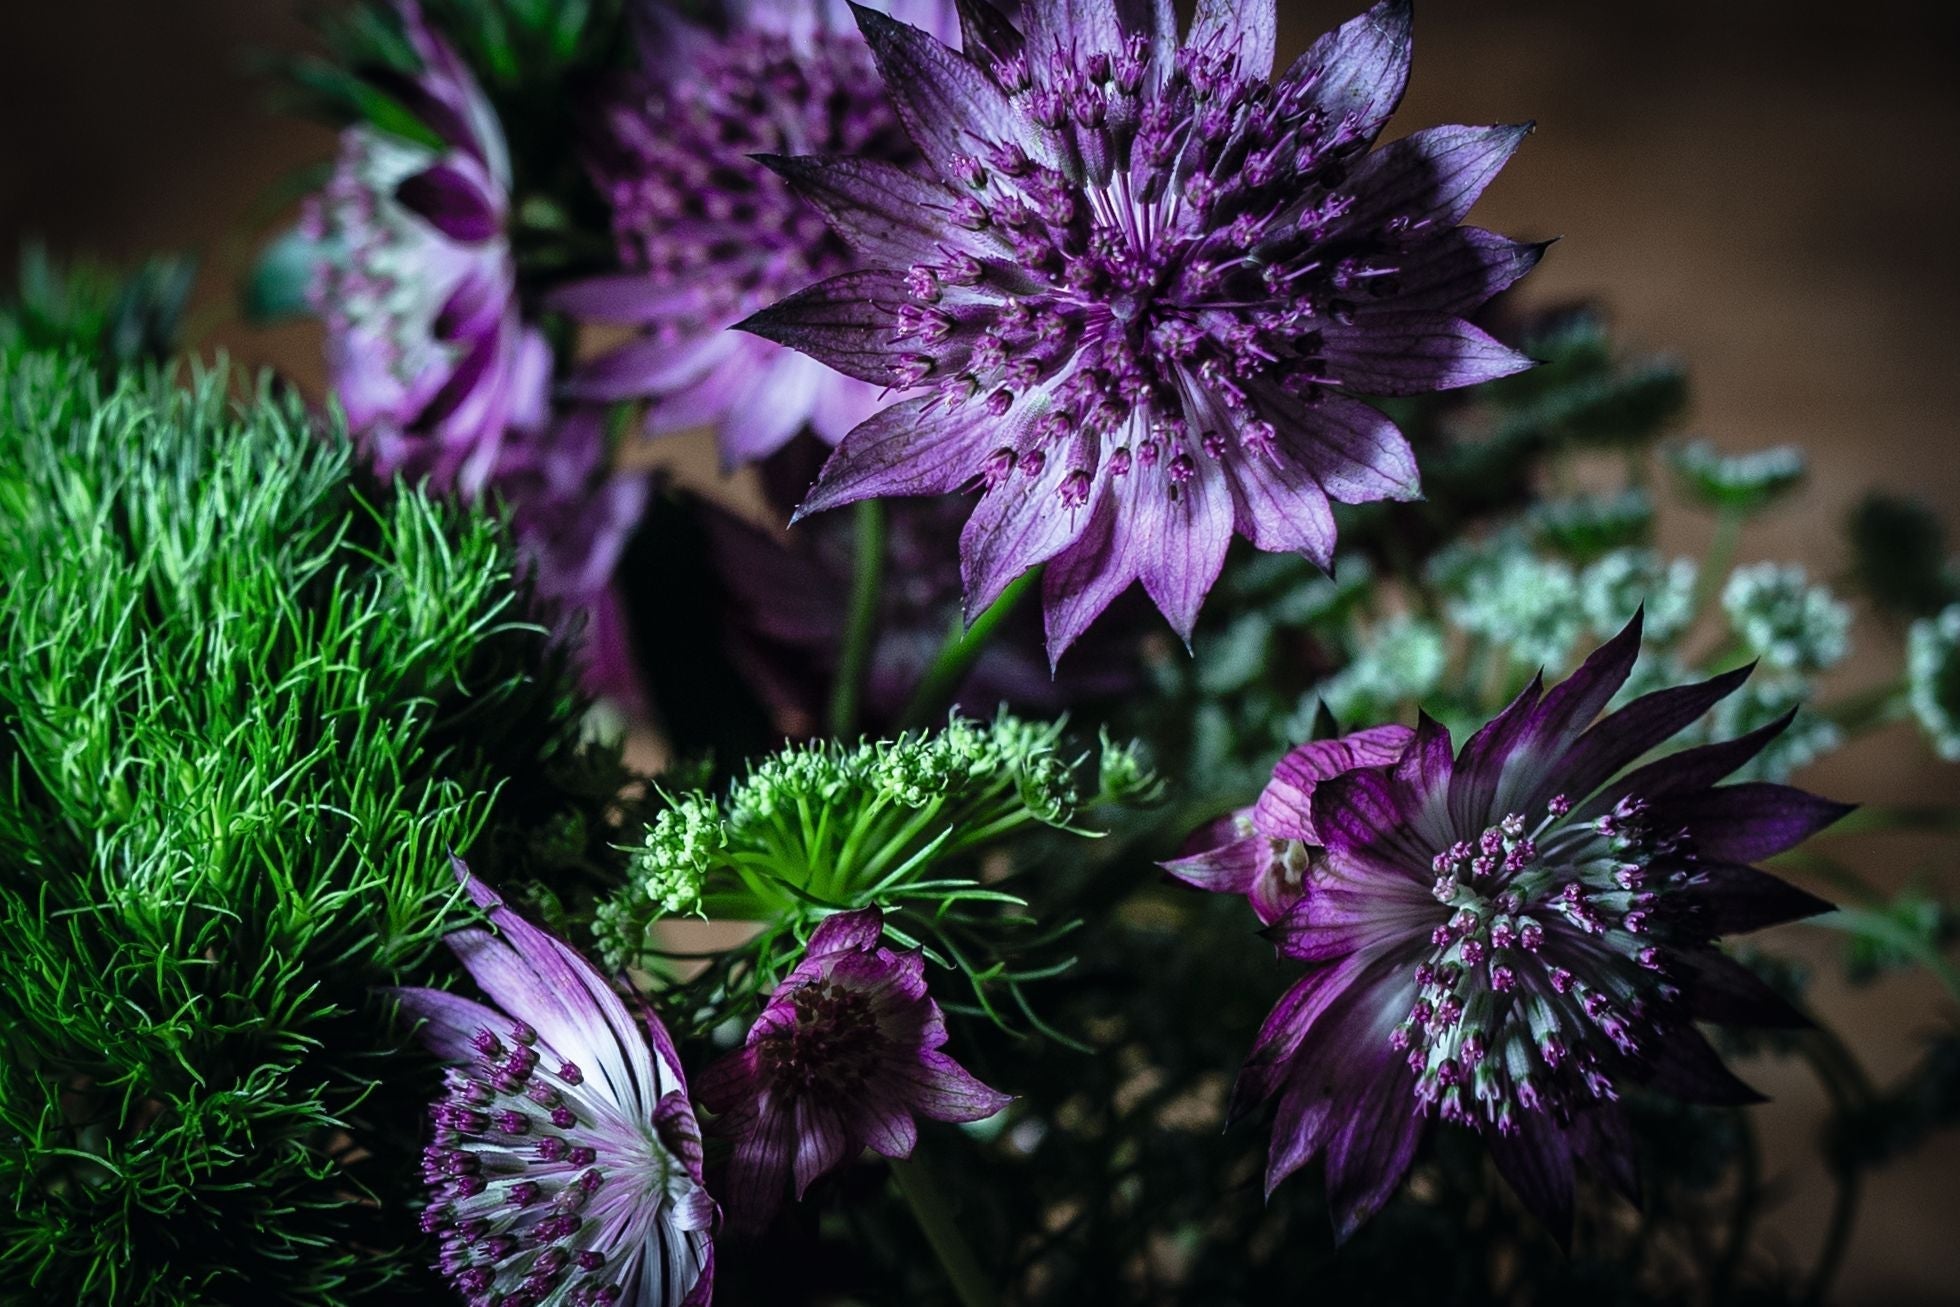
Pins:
x,y
961,650
1721,553
1837,1237
861,633
1743,1222
1851,1091
941,1227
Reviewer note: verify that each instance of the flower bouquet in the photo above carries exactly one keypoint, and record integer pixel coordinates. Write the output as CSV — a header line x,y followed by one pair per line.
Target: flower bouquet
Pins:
x,y
1173,761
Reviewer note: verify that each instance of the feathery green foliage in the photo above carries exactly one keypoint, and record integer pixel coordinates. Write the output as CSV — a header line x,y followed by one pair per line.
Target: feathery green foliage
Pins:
x,y
246,706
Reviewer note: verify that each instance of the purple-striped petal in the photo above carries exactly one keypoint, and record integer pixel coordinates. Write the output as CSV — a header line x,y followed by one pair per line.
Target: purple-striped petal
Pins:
x,y
841,322
1356,73
1397,351
452,202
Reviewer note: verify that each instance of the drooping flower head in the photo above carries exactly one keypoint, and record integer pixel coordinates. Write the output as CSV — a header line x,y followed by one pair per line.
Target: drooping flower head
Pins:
x,y
1266,852
1142,288
1508,936
415,281
706,235
566,1164
845,1055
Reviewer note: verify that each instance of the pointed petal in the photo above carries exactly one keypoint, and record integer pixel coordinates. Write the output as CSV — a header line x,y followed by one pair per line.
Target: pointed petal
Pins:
x,y
985,32
1748,822
1480,766
650,366
449,1021
948,104
944,1090
1615,741
1229,869
1603,1137
1181,543
630,299
1690,769
1356,73
822,1143
888,216
1731,899
1396,351
913,447
1022,521
1085,578
1370,1151
1722,990
847,931
1356,454
1435,173
844,322
1281,507
758,1171
1537,1163
1245,30
1460,271
1681,1063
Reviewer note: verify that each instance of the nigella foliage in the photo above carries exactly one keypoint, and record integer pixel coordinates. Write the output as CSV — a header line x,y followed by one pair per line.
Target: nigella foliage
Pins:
x,y
247,702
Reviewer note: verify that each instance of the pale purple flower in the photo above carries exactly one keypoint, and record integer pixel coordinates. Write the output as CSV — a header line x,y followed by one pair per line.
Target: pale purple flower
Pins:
x,y
566,1164
1509,935
845,1055
572,513
706,235
1267,852
1142,288
415,281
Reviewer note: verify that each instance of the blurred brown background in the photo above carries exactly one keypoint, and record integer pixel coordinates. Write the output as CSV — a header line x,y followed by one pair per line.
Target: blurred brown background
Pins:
x,y
1767,189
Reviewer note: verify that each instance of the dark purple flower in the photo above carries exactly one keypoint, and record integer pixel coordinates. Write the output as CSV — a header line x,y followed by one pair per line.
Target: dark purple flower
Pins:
x,y
1267,852
572,513
706,235
1142,288
787,597
1508,936
566,1164
845,1055
415,281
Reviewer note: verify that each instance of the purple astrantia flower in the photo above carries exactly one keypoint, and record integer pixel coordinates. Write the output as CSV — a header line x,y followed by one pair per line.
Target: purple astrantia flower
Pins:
x,y
572,514
1143,287
707,235
415,280
566,1166
845,1055
1268,851
1508,936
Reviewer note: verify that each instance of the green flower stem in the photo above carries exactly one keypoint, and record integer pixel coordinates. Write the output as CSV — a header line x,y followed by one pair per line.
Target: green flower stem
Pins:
x,y
961,650
1721,553
1851,1092
861,633
941,1226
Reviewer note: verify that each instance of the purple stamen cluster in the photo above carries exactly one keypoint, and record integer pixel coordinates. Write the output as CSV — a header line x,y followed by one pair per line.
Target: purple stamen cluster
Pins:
x,y
1548,959
1142,289
565,1165
1507,935
705,234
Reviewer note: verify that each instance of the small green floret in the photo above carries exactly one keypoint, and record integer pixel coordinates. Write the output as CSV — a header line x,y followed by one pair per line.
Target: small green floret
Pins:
x,y
1741,483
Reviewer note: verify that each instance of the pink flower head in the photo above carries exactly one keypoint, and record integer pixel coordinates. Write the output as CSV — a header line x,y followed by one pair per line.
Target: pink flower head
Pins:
x,y
845,1055
1268,852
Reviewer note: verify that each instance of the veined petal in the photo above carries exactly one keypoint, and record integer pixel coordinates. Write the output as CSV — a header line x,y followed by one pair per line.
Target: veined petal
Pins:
x,y
1357,72
948,105
891,218
1748,822
843,322
1356,454
1181,543
1435,173
1462,270
1397,351
1023,521
1245,30
913,447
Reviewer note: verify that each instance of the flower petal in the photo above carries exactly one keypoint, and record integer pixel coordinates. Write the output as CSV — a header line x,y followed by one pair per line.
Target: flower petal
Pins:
x,y
451,201
944,1090
1356,454
1537,1163
888,216
1245,30
1461,270
847,932
1748,822
914,447
1397,351
1733,899
1022,521
947,104
843,322
1356,73
1436,173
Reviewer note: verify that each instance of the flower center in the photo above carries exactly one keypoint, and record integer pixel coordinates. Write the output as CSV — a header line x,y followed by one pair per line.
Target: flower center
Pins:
x,y
519,1156
1543,979
685,194
834,1045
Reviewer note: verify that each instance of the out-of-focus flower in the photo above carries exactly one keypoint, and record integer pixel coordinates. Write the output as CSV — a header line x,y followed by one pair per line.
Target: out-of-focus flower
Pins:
x,y
567,1161
1933,679
572,514
1627,581
414,278
1508,935
1741,483
1765,699
1401,661
1524,603
1141,289
706,235
1789,623
845,1055
1266,852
